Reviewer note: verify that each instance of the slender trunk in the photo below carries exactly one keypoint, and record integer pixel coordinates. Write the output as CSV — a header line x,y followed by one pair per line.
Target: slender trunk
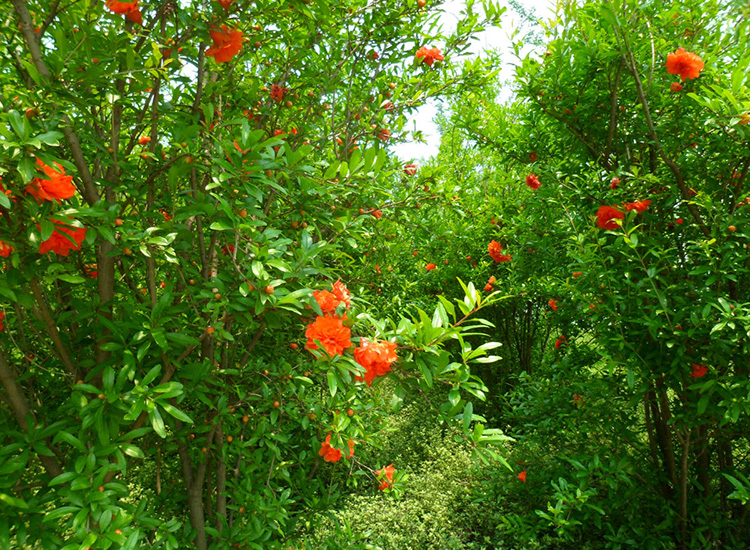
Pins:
x,y
21,411
664,442
221,483
704,461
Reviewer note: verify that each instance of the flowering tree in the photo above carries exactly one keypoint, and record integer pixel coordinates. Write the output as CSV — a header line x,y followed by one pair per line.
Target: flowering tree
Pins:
x,y
628,148
178,178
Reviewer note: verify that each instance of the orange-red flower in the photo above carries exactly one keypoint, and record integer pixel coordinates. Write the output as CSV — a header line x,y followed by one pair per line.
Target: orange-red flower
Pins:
x,y
488,287
638,206
277,93
522,476
377,213
675,87
410,169
128,9
5,249
685,64
342,293
552,304
697,371
225,3
144,140
384,134
2,317
495,249
385,475
560,341
532,157
329,301
227,43
329,331
64,238
615,182
429,55
56,186
533,182
606,216
376,357
329,454
351,448
430,267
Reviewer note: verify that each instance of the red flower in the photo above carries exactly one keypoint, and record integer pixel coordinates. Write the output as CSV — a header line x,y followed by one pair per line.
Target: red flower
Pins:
x,y
495,249
532,157
385,475
2,317
342,293
277,93
615,183
144,140
639,206
59,243
384,134
522,476
410,169
678,221
329,331
377,213
329,454
225,3
606,216
577,274
415,253
57,187
675,87
327,301
373,55
376,358
5,249
533,182
698,370
91,271
685,64
430,267
351,448
560,341
128,9
488,287
577,400
429,55
227,43
552,304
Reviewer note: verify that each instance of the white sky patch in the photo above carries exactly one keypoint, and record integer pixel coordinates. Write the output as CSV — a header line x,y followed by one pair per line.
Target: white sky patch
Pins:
x,y
494,38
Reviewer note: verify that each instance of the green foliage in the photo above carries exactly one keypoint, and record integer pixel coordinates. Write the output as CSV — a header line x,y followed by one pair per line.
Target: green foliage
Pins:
x,y
429,511
156,386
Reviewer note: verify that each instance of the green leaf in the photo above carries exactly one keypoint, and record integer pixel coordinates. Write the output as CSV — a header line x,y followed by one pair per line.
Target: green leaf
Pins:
x,y
333,382
175,412
467,416
157,423
13,501
132,450
62,478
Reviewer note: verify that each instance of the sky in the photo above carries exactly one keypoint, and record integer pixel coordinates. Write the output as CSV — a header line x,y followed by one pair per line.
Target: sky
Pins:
x,y
495,38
